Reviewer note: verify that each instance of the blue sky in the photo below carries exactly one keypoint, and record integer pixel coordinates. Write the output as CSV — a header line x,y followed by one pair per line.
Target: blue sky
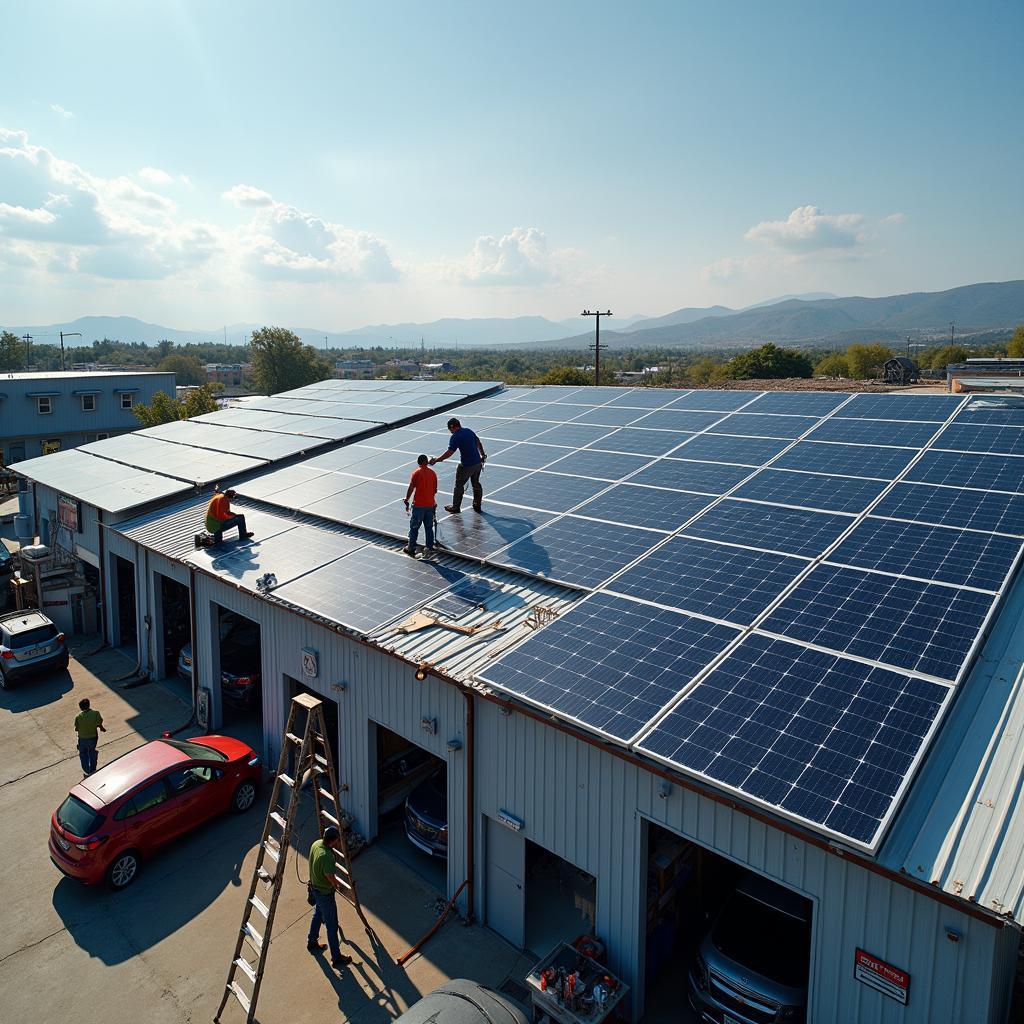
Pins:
x,y
336,164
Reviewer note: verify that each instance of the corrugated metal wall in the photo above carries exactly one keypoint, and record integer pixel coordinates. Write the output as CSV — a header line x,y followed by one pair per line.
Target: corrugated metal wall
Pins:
x,y
588,807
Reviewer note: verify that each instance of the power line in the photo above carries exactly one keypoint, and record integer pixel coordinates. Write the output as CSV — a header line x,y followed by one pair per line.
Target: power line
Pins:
x,y
597,340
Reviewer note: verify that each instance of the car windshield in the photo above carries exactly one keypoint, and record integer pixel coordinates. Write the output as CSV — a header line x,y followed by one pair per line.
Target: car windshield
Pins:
x,y
196,751
78,818
31,637
764,940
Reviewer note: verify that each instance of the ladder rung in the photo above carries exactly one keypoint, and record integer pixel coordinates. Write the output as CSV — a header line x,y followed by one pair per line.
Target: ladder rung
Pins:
x,y
239,995
320,760
341,881
330,819
246,968
260,906
319,739
265,876
277,819
254,937
286,779
292,738
323,792
273,852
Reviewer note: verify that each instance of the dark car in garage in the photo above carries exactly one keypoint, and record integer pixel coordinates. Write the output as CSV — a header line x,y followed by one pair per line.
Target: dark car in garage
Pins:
x,y
240,663
426,815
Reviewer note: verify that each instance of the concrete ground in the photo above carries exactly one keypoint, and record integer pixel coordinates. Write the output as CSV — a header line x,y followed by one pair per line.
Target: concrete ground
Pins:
x,y
159,951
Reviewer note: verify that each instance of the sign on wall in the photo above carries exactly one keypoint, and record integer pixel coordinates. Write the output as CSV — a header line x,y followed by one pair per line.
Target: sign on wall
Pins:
x,y
882,977
310,663
69,513
50,447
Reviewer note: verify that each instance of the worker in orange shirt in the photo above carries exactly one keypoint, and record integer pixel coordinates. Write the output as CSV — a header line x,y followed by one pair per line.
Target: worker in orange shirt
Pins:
x,y
219,517
423,492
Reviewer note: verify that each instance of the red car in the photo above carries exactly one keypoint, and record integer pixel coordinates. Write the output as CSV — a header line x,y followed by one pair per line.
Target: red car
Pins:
x,y
119,815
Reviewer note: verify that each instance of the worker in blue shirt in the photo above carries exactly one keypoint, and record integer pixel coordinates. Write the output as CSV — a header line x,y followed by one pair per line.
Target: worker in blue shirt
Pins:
x,y
471,461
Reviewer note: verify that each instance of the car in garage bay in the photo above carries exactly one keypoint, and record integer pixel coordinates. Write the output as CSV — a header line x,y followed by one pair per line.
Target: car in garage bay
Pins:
x,y
426,815
239,661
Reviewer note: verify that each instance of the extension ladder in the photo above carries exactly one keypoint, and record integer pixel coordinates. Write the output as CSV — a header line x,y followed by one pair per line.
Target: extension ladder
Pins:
x,y
304,754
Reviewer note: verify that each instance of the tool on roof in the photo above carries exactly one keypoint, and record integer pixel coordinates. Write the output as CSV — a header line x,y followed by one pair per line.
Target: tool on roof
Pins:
x,y
424,620
305,754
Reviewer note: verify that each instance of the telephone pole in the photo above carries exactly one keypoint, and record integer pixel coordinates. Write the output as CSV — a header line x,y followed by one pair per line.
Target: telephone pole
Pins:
x,y
63,335
952,331
597,340
28,350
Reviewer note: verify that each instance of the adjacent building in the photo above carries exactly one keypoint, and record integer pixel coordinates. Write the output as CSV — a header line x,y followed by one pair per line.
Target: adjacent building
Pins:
x,y
231,375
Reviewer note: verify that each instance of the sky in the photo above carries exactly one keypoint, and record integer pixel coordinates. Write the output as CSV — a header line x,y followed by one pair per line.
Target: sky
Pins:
x,y
337,164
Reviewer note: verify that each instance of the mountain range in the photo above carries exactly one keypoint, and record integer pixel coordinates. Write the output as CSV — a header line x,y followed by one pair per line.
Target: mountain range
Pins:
x,y
812,318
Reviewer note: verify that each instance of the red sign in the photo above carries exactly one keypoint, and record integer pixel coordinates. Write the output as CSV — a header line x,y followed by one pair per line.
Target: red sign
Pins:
x,y
883,977
69,513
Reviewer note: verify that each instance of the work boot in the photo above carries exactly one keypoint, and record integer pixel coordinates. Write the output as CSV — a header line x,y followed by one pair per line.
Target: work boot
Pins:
x,y
246,536
452,509
315,947
429,552
339,962
477,508
409,551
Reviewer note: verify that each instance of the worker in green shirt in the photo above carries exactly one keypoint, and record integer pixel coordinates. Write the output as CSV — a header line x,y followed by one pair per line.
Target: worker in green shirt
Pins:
x,y
88,726
323,883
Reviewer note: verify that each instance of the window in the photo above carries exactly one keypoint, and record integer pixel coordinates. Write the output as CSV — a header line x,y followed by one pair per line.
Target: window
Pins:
x,y
51,446
44,405
101,437
88,403
153,794
185,779
127,401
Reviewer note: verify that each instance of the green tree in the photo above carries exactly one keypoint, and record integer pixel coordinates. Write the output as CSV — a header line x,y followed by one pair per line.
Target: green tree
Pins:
x,y
165,409
12,351
834,365
940,358
867,361
281,362
568,376
769,362
1015,347
186,369
707,370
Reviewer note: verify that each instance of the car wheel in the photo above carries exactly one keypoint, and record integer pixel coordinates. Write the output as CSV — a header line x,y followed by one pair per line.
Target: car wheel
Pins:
x,y
245,796
123,870
5,683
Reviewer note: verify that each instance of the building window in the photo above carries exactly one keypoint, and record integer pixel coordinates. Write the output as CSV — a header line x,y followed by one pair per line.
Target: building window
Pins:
x,y
101,437
51,447
127,401
88,403
44,405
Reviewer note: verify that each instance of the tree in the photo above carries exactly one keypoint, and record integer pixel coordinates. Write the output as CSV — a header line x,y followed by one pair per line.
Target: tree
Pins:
x,y
165,409
834,365
1015,348
186,369
12,351
281,362
769,362
940,358
867,360
569,376
707,370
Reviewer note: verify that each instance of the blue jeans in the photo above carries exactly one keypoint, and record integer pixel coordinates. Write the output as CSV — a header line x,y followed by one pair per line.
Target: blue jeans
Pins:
x,y
326,913
87,754
227,524
425,517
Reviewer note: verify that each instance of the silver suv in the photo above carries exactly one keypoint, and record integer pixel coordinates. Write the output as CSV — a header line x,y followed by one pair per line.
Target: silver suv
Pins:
x,y
752,966
29,643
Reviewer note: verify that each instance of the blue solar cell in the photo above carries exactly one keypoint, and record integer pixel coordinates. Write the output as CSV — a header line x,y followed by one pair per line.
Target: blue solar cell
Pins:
x,y
952,506
981,439
549,492
935,408
519,430
742,451
609,663
480,535
644,506
610,416
723,582
722,401
557,412
764,426
470,595
351,504
649,398
573,435
771,527
600,465
817,736
705,477
995,409
930,552
591,395
846,459
528,456
795,403
920,626
961,469
678,419
885,432
641,442
811,490
579,552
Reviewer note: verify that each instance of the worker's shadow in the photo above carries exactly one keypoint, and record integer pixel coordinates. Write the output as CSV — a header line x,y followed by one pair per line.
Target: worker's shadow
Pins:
x,y
482,534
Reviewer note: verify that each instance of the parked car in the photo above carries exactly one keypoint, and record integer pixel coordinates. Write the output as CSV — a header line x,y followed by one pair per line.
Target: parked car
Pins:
x,y
464,1002
29,644
6,575
239,661
122,813
426,815
752,965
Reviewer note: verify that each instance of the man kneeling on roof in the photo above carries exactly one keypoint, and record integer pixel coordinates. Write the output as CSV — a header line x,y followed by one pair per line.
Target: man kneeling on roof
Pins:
x,y
219,517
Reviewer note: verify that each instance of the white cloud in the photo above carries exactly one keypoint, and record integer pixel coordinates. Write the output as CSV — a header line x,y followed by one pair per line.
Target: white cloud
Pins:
x,y
61,112
807,229
248,195
157,176
522,257
725,270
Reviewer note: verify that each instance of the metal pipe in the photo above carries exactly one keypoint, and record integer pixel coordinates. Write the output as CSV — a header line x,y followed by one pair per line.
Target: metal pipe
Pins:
x,y
437,924
470,803
103,574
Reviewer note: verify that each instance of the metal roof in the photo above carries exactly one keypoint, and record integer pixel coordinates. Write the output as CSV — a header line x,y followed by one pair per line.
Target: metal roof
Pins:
x,y
81,374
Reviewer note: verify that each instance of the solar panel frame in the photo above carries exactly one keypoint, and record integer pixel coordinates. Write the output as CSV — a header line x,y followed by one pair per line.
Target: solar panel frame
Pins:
x,y
701,477
798,403
954,506
981,439
726,448
811,490
640,441
833,459
716,401
647,507
888,433
600,465
1002,410
550,492
965,469
691,421
748,424
932,408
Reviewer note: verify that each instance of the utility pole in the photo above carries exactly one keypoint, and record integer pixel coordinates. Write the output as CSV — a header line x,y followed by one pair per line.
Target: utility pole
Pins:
x,y
952,330
597,340
63,335
28,350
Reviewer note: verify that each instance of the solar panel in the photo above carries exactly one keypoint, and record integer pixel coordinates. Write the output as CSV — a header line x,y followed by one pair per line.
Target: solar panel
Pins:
x,y
1004,410
592,395
706,477
731,583
519,430
846,459
348,505
961,469
811,490
884,432
574,435
753,425
549,492
770,527
610,416
600,465
953,506
610,664
744,451
924,627
821,738
930,552
557,412
982,439
577,552
795,403
368,588
678,419
470,595
935,408
280,479
480,535
648,398
640,442
650,507
723,401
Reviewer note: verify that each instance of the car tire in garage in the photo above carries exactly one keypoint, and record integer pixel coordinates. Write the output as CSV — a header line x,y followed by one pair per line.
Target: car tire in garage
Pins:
x,y
123,870
244,796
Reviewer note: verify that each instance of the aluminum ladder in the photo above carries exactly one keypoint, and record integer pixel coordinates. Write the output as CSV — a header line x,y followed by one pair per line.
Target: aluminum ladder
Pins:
x,y
308,755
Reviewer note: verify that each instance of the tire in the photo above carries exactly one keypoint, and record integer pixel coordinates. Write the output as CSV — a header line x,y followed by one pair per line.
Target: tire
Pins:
x,y
123,870
244,796
5,683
